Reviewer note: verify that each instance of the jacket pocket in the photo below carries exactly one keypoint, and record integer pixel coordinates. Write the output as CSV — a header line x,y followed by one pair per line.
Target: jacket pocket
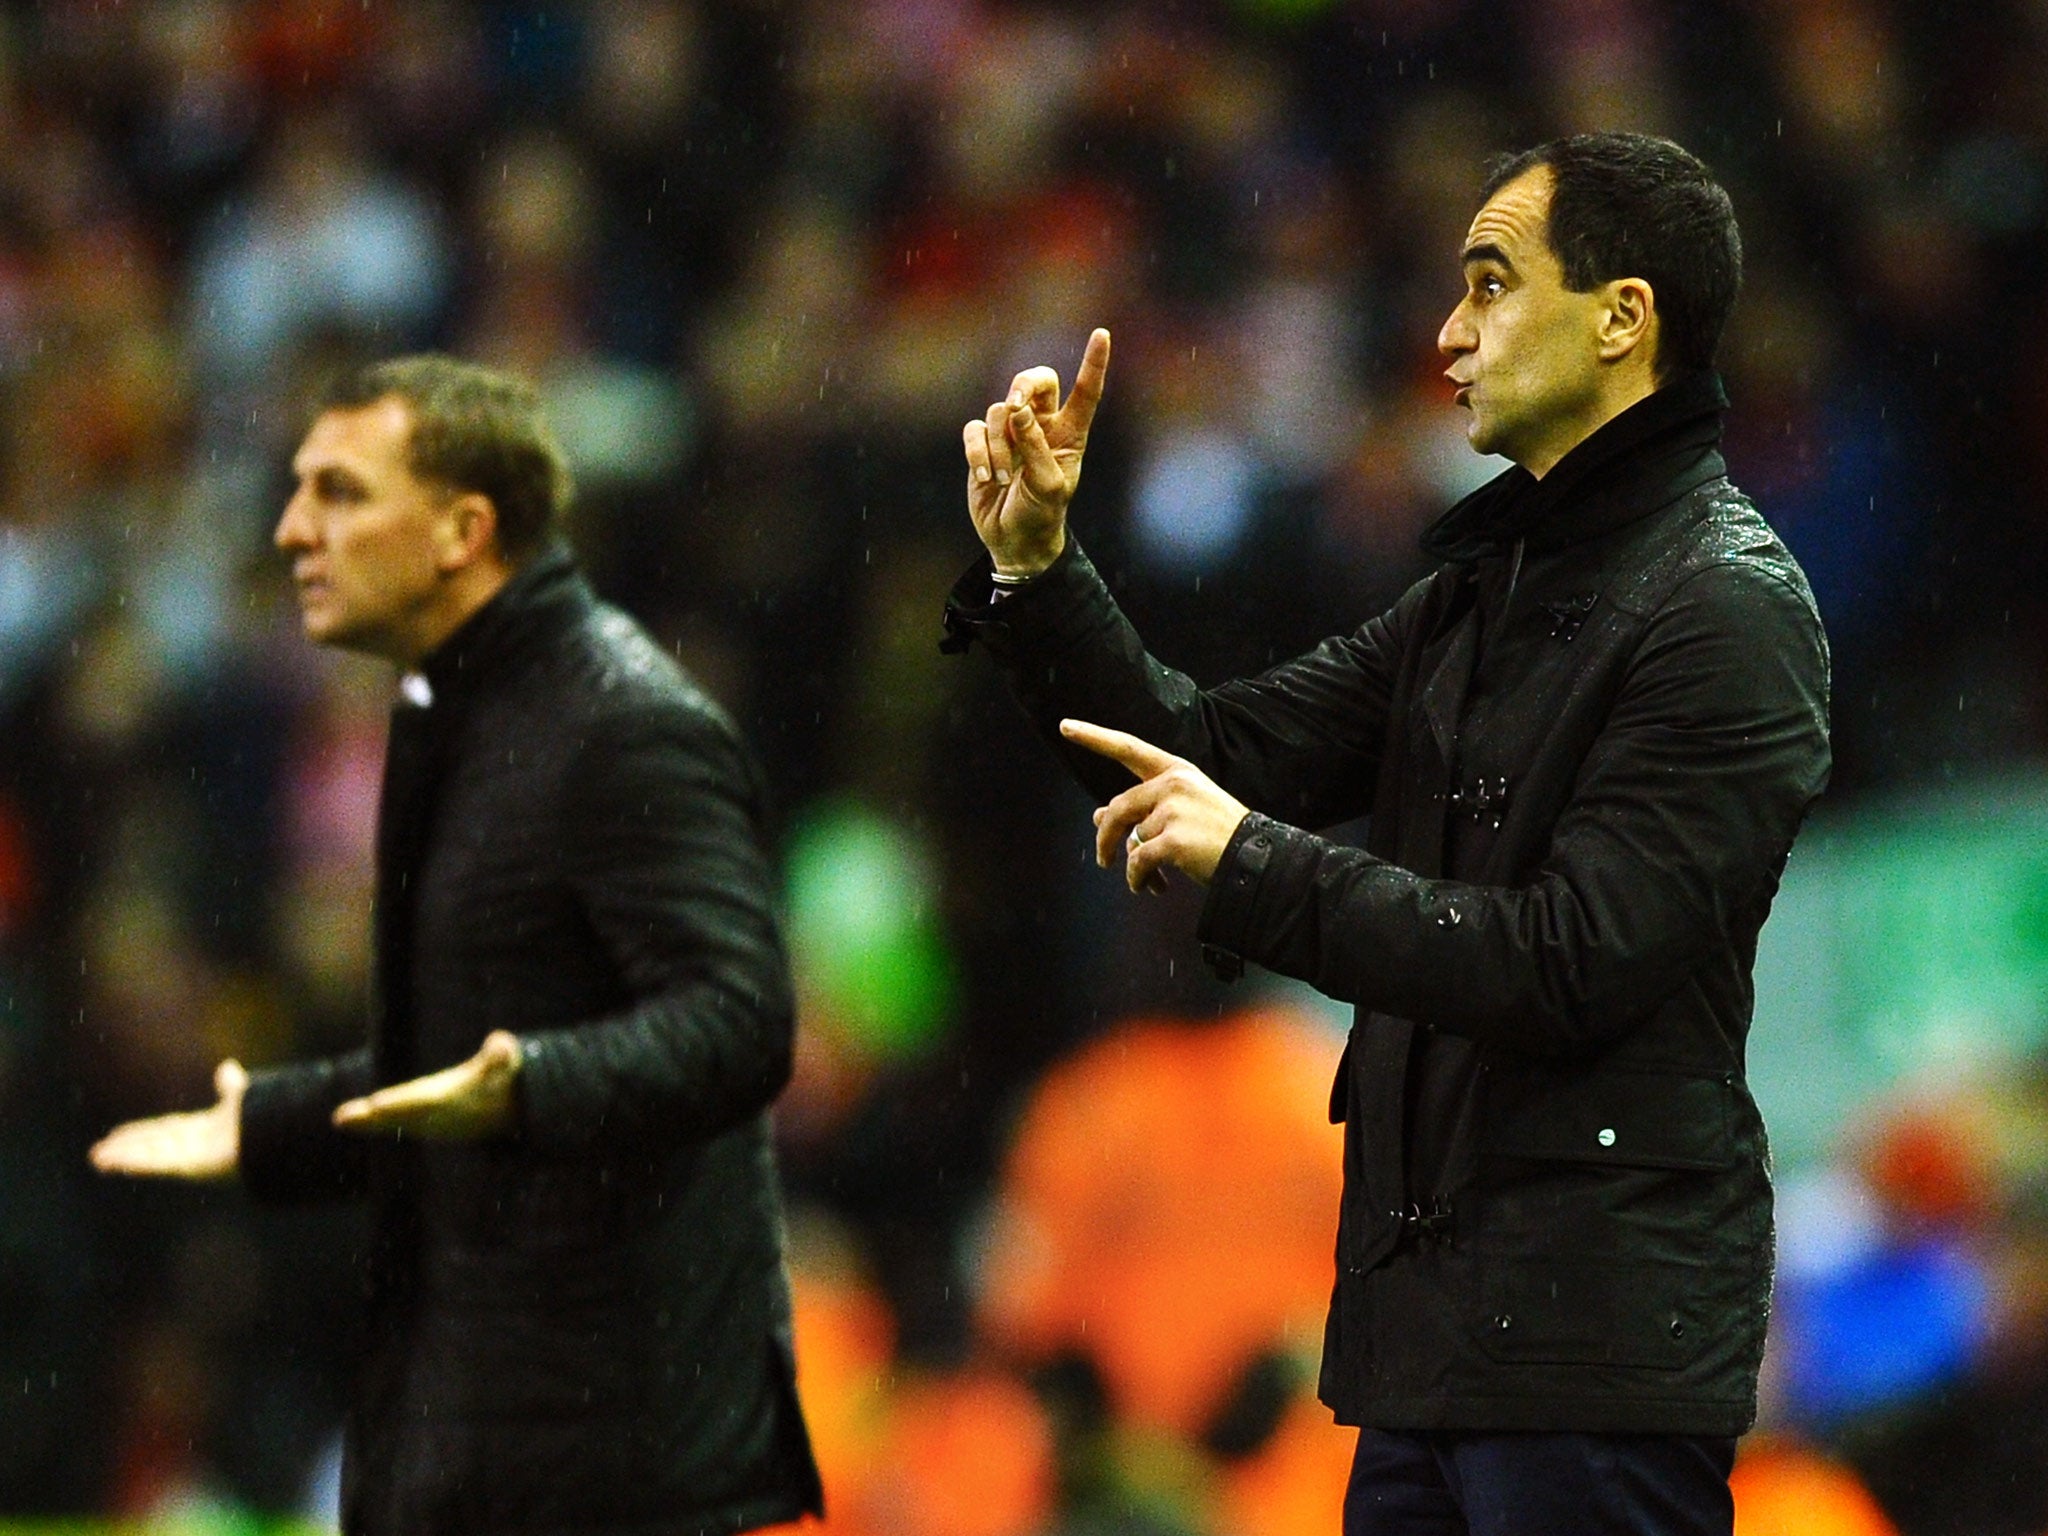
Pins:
x,y
1619,1118
1580,1312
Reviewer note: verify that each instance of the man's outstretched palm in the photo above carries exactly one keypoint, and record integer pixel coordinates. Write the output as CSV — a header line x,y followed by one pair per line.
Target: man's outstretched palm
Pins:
x,y
201,1144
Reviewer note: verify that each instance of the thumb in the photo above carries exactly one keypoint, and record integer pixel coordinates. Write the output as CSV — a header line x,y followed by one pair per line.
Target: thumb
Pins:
x,y
500,1049
230,1080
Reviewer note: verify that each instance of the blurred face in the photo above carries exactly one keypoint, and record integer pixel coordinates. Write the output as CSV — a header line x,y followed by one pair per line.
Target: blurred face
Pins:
x,y
369,542
1524,350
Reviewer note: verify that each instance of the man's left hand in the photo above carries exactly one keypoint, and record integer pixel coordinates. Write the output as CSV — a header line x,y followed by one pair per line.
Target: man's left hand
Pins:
x,y
467,1102
1175,815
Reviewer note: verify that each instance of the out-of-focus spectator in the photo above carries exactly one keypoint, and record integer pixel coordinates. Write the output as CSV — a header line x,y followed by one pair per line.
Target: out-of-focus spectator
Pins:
x,y
1157,1215
326,240
1782,1488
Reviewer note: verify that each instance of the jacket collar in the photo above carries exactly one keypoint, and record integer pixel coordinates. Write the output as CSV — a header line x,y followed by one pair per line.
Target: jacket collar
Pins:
x,y
544,596
1652,453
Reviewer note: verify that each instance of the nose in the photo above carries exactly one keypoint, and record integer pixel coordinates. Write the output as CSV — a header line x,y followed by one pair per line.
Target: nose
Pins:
x,y
1457,336
296,528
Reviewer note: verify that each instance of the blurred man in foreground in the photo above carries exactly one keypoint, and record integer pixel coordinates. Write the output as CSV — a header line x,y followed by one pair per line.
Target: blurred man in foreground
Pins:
x,y
1585,744
578,1312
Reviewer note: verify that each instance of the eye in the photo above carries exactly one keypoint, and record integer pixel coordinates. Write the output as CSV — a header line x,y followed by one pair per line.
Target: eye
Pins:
x,y
1489,286
333,486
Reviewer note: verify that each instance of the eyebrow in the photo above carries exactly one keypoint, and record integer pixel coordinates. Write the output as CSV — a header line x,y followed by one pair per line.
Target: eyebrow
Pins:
x,y
328,476
1486,251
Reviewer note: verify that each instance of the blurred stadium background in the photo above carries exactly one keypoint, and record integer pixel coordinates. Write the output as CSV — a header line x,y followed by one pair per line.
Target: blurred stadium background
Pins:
x,y
1061,1206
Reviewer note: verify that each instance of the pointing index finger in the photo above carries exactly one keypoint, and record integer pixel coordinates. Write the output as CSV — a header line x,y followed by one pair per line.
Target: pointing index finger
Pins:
x,y
1140,756
1079,410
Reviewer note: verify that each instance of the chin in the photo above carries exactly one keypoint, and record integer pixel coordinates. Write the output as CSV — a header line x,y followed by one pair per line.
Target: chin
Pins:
x,y
326,629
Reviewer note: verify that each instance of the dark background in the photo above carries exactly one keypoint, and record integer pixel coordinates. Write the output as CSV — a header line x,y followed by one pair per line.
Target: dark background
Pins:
x,y
763,259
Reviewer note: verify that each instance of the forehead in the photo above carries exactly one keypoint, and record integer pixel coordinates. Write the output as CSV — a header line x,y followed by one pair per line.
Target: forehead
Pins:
x,y
1514,218
372,439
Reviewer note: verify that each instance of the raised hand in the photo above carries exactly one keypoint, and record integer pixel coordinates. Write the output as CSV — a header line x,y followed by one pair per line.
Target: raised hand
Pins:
x,y
202,1144
1175,815
467,1102
1024,461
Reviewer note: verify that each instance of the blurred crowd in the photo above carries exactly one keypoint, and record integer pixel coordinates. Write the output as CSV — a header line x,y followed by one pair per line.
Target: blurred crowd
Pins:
x,y
1062,1206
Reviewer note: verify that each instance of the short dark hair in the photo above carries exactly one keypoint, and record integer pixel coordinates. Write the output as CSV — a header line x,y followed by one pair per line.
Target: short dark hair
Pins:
x,y
1630,205
473,429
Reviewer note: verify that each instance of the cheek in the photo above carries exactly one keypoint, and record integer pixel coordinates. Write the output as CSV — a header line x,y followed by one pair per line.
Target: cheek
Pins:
x,y
384,558
1497,353
1505,338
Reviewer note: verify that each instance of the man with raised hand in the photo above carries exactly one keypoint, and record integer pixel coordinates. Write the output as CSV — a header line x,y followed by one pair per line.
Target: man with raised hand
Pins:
x,y
579,1320
1585,743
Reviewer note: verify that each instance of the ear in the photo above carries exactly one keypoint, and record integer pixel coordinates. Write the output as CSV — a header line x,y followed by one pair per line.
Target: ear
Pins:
x,y
1628,321
467,532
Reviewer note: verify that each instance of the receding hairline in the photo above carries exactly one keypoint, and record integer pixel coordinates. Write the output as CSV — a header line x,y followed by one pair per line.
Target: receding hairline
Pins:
x,y
1488,249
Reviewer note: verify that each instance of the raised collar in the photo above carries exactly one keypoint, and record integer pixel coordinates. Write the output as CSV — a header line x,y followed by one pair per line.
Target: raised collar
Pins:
x,y
543,596
1653,452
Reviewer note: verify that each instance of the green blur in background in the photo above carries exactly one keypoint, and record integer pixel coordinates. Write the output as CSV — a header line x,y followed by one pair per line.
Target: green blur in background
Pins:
x,y
1909,942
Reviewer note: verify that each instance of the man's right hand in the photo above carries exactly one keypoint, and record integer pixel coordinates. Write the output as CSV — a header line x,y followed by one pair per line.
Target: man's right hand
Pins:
x,y
204,1144
1024,460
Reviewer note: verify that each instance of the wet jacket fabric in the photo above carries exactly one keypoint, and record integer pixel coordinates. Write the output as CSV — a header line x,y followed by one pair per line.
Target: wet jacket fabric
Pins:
x,y
1585,744
583,1325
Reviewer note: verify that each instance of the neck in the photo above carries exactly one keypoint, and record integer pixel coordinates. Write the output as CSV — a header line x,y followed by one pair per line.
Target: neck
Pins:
x,y
1616,394
453,605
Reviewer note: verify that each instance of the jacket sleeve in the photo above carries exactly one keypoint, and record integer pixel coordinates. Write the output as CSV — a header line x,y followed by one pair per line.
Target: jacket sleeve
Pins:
x,y
1678,826
1301,741
665,859
290,1151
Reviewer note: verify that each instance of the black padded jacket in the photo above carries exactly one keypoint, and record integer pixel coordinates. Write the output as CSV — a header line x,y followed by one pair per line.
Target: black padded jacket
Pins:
x,y
583,1325
1585,744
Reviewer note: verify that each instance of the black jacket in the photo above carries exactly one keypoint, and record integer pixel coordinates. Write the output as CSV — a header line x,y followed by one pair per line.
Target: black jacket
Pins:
x,y
583,1325
1585,744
